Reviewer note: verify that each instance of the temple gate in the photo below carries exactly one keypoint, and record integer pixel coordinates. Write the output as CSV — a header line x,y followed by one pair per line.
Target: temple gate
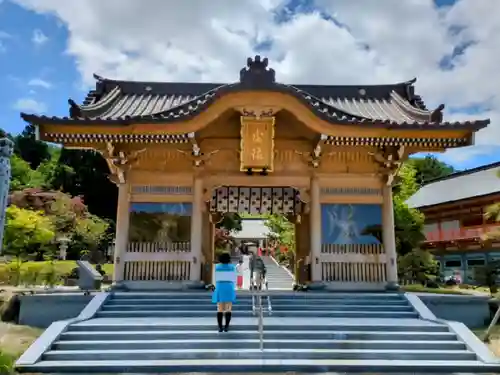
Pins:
x,y
183,154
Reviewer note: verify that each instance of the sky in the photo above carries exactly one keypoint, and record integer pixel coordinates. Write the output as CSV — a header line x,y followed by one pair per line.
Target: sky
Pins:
x,y
49,50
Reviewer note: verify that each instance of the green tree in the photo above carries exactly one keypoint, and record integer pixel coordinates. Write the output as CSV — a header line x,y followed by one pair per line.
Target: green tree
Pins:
x,y
493,213
22,176
230,222
429,168
29,149
23,230
282,231
419,265
409,222
85,173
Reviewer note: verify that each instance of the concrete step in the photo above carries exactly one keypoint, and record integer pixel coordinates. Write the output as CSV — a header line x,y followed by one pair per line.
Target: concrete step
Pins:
x,y
216,366
223,344
275,301
133,325
236,334
279,313
206,354
240,307
242,295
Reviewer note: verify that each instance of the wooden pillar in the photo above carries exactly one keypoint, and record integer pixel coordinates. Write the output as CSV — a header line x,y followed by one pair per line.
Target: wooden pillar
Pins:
x,y
196,229
315,230
122,229
207,248
302,250
389,238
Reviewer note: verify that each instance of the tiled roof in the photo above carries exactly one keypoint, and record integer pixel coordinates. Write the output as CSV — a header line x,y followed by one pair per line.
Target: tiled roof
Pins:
x,y
126,102
459,186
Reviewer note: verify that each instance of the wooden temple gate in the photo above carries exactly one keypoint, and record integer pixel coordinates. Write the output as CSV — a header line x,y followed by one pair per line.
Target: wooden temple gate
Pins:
x,y
183,154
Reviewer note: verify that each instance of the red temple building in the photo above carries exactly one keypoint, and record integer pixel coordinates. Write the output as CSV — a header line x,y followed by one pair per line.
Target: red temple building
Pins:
x,y
456,229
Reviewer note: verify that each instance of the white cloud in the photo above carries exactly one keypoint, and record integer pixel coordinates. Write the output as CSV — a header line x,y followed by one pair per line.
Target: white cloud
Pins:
x,y
38,82
201,40
3,35
30,105
39,38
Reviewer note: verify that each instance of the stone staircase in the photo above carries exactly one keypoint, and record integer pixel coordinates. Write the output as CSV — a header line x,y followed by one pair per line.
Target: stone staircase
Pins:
x,y
176,332
278,278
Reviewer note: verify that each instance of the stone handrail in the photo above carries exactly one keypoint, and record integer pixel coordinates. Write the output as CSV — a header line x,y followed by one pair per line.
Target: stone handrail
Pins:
x,y
88,277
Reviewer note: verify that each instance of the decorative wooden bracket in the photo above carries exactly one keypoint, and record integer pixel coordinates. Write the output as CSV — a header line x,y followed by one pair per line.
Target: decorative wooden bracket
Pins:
x,y
258,112
216,217
120,162
313,158
389,159
197,157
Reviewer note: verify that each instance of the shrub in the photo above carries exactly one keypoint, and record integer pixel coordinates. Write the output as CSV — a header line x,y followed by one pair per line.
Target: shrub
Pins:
x,y
6,364
41,273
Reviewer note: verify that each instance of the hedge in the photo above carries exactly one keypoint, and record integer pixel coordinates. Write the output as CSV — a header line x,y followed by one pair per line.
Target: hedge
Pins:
x,y
40,273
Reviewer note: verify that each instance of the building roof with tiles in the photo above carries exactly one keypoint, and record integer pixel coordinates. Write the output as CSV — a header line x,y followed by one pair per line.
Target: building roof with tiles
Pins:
x,y
472,183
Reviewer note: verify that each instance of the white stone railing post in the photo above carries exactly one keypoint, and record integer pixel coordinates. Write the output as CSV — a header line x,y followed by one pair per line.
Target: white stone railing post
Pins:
x,y
6,149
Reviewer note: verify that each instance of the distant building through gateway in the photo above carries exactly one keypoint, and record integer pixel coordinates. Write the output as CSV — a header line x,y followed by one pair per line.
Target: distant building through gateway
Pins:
x,y
253,231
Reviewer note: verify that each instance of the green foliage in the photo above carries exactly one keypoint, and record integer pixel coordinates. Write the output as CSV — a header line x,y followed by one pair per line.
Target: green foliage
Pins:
x,y
24,228
487,276
23,176
409,222
40,273
419,265
493,214
6,363
29,149
282,231
230,222
429,168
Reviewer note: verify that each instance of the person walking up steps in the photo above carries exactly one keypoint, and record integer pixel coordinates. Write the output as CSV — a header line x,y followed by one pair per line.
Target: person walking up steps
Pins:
x,y
239,273
224,294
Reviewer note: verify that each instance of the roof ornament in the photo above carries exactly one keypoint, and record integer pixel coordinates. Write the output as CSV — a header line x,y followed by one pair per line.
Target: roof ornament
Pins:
x,y
74,109
257,74
437,115
98,77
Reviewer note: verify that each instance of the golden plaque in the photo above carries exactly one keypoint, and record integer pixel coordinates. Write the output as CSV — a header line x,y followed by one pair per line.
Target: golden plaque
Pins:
x,y
257,144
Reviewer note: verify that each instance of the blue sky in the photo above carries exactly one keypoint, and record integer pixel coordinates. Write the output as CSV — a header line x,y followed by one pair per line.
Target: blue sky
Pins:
x,y
38,75
33,65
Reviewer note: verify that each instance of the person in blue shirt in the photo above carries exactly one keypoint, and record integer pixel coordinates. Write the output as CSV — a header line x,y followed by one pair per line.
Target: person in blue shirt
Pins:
x,y
224,294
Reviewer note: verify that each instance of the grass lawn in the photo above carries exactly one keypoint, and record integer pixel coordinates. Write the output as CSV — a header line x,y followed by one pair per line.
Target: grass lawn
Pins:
x,y
494,342
14,340
417,288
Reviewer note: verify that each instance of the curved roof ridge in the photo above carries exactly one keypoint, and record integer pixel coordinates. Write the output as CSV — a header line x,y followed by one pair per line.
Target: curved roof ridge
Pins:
x,y
104,101
308,96
420,114
169,112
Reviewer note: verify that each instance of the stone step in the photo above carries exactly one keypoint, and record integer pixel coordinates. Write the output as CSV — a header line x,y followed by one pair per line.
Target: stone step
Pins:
x,y
304,354
280,313
275,301
241,307
131,325
216,366
222,343
237,334
242,294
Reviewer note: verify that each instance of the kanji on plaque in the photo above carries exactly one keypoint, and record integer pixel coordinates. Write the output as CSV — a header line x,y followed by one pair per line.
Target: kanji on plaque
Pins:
x,y
257,143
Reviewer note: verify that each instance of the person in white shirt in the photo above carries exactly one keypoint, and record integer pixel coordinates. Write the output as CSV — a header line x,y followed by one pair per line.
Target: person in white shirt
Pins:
x,y
239,274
